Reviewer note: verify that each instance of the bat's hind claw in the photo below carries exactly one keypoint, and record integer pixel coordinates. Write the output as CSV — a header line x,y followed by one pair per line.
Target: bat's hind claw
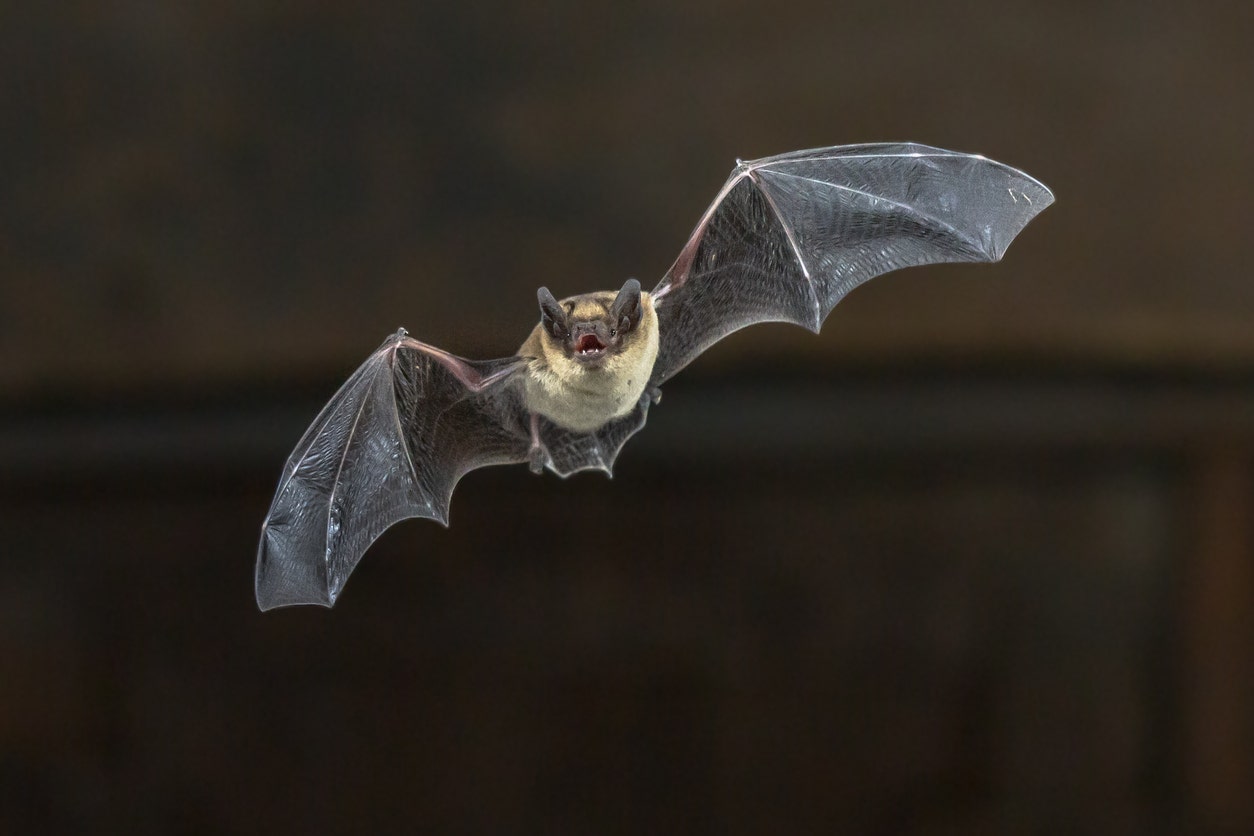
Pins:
x,y
537,456
654,393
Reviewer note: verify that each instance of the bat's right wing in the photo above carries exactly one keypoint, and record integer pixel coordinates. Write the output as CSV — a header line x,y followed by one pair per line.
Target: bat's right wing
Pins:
x,y
789,236
391,444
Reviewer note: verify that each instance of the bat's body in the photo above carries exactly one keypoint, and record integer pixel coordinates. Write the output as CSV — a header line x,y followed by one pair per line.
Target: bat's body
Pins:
x,y
785,240
581,394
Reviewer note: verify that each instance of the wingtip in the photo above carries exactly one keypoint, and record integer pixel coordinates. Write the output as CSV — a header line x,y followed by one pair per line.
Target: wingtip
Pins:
x,y
272,594
268,599
267,606
1030,197
273,588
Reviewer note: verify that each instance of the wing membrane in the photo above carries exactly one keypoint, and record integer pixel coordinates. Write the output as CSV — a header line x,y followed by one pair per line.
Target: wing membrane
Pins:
x,y
570,452
391,444
789,236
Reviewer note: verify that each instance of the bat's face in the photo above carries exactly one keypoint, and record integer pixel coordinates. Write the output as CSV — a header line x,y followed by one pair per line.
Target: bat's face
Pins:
x,y
595,326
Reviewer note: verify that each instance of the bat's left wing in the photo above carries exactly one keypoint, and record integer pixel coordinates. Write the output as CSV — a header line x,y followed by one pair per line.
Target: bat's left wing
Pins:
x,y
789,236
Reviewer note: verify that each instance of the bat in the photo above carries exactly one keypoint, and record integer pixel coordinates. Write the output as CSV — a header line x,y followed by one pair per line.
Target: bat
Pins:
x,y
786,238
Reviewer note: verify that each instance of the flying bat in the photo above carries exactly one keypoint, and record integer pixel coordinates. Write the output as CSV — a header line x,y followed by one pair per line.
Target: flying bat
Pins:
x,y
786,238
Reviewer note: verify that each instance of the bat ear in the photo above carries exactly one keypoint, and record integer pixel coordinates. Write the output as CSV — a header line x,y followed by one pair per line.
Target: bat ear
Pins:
x,y
627,306
552,315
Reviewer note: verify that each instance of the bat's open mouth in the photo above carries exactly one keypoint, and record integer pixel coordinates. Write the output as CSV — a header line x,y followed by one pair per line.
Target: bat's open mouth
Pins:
x,y
589,346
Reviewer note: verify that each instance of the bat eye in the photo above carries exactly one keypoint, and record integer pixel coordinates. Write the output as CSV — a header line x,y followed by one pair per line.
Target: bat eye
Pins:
x,y
613,332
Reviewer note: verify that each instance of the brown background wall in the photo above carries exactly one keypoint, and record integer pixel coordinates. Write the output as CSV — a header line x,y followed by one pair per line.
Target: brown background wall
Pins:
x,y
977,559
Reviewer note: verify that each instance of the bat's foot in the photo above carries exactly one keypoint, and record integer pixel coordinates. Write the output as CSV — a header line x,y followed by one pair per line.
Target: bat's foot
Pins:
x,y
536,454
536,459
654,393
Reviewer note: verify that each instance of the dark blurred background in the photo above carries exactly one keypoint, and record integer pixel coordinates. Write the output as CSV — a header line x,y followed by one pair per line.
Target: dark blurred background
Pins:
x,y
979,559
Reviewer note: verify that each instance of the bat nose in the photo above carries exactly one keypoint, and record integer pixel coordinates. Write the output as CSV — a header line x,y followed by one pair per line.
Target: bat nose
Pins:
x,y
595,327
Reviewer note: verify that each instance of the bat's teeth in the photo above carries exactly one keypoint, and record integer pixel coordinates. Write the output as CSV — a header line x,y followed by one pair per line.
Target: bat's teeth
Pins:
x,y
589,344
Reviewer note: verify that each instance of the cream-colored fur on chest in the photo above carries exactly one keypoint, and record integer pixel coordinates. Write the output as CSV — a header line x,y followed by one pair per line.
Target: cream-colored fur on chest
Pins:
x,y
583,398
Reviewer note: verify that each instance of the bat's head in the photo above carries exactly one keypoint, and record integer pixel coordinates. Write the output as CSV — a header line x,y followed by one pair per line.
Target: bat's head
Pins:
x,y
595,326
